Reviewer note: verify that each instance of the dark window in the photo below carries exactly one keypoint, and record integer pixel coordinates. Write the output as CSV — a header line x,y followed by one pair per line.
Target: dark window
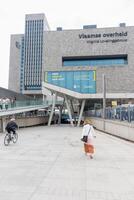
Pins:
x,y
95,61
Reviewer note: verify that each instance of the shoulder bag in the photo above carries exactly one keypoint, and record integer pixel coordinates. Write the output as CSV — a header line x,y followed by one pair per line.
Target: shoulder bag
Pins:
x,y
85,137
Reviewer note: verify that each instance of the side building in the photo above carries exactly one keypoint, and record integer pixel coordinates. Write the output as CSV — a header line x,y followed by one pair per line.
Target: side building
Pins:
x,y
26,56
14,63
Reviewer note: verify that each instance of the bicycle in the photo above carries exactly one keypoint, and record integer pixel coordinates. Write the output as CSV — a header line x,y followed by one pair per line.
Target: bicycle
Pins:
x,y
10,137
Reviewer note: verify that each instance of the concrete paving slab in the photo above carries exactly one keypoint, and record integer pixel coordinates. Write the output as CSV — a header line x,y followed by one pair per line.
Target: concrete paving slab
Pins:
x,y
48,163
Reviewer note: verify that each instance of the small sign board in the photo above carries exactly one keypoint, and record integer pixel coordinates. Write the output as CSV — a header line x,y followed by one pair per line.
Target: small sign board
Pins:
x,y
114,103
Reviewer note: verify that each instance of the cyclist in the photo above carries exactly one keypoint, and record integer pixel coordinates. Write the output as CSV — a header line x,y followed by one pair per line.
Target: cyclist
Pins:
x,y
11,126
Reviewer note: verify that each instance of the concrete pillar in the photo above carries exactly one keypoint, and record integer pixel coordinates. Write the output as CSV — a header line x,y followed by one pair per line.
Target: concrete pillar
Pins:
x,y
60,113
52,110
81,112
69,110
3,125
44,98
72,108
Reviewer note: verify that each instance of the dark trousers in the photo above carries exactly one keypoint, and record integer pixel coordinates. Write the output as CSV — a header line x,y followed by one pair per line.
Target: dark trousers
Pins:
x,y
11,130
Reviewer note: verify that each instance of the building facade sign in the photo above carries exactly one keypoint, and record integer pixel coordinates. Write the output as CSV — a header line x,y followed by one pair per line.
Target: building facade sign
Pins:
x,y
78,81
104,37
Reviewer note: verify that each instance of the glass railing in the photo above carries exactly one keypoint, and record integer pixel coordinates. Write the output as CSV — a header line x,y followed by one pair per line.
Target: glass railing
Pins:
x,y
26,103
18,104
121,113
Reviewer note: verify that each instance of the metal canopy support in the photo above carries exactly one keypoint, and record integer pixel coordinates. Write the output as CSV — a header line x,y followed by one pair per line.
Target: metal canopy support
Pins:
x,y
69,111
52,110
81,112
72,108
60,112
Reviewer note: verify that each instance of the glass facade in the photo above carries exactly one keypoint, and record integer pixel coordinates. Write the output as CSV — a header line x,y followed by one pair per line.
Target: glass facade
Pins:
x,y
33,52
78,81
22,66
95,62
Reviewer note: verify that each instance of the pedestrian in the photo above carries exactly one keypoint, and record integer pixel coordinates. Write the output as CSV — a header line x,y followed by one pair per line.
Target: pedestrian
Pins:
x,y
88,131
3,102
11,126
6,103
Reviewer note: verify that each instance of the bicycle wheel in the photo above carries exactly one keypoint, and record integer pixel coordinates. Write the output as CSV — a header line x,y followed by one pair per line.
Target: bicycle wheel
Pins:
x,y
15,137
6,139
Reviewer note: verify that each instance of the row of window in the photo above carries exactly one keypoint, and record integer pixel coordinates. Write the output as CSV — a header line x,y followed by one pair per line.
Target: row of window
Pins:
x,y
32,87
32,83
95,62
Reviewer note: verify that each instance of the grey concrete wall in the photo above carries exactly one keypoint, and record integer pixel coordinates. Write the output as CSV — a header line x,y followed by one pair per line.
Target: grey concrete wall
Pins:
x,y
67,43
121,129
14,63
28,121
25,122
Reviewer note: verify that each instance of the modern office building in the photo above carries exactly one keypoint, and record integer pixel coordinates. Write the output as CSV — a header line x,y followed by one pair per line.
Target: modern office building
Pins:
x,y
77,59
26,56
73,63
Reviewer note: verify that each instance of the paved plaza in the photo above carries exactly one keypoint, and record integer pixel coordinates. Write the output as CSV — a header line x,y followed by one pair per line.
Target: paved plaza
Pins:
x,y
48,163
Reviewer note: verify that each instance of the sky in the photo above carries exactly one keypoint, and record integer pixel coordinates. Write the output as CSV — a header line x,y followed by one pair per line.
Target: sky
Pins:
x,y
68,14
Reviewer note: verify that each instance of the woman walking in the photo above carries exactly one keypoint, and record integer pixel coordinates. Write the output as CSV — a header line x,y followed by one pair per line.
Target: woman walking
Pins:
x,y
88,131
